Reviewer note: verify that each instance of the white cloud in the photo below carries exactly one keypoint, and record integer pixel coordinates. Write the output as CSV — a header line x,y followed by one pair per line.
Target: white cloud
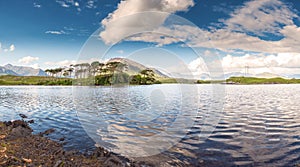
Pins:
x,y
91,4
155,37
260,16
63,63
56,32
37,5
255,17
69,4
63,3
198,66
12,48
35,66
128,16
284,60
28,59
66,63
281,63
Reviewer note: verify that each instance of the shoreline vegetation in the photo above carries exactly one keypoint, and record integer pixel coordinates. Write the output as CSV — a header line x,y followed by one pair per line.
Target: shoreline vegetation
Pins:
x,y
123,79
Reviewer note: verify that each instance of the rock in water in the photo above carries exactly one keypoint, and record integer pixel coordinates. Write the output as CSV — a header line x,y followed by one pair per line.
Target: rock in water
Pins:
x,y
31,121
23,116
47,132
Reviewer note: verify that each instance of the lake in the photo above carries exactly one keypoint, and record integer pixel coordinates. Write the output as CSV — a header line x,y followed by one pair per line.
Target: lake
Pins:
x,y
208,125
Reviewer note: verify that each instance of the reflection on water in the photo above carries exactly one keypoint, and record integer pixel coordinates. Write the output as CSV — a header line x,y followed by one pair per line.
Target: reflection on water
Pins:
x,y
260,124
138,121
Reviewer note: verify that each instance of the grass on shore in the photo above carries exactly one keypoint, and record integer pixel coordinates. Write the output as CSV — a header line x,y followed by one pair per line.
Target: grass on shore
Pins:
x,y
253,80
33,80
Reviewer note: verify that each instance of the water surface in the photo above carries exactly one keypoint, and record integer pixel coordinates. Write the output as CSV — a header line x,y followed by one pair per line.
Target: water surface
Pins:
x,y
260,124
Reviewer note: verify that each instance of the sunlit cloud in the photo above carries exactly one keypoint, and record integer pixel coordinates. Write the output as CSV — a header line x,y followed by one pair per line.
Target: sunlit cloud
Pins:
x,y
112,33
28,59
255,17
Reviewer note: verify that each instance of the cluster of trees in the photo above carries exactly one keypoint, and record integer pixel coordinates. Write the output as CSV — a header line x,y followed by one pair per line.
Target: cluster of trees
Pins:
x,y
145,77
103,74
60,72
116,74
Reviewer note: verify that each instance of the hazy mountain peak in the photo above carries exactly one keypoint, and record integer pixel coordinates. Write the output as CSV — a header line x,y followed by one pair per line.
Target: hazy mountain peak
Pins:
x,y
24,71
8,65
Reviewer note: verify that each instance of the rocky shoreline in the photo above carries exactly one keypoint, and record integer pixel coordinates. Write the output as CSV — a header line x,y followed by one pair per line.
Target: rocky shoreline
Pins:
x,y
19,147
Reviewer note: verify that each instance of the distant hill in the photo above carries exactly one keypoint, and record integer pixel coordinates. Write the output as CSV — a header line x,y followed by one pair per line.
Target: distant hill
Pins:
x,y
267,75
134,67
24,71
4,71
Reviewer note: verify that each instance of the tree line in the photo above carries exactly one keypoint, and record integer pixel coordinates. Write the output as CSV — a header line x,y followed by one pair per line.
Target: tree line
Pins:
x,y
103,74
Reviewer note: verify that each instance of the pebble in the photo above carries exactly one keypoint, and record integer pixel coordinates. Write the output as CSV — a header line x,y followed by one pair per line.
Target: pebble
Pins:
x,y
57,163
2,149
2,136
26,160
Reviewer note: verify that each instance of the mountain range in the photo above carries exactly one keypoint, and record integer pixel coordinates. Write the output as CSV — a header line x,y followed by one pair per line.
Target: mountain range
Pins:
x,y
21,71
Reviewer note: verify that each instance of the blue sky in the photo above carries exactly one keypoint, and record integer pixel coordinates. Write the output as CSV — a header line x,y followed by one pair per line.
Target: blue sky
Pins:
x,y
262,34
